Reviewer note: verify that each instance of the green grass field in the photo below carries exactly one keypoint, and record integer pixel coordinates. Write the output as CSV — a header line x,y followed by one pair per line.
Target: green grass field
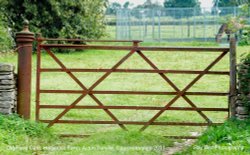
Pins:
x,y
165,32
112,135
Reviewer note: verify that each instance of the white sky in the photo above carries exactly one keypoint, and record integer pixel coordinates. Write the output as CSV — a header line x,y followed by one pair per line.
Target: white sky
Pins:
x,y
204,3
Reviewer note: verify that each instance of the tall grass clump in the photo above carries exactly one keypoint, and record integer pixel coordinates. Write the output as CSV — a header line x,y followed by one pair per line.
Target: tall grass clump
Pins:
x,y
233,137
17,133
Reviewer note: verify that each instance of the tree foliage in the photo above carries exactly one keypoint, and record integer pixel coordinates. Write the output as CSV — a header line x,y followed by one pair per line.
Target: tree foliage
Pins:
x,y
113,7
126,5
181,3
58,18
229,3
5,37
188,5
149,5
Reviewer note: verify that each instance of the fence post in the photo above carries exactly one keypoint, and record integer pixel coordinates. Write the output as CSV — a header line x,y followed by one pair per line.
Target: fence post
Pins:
x,y
24,41
232,76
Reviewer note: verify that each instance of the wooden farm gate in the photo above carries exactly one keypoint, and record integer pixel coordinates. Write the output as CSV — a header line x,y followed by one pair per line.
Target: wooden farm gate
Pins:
x,y
135,48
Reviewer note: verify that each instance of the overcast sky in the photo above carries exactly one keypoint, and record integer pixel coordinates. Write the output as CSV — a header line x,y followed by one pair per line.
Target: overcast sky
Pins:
x,y
204,3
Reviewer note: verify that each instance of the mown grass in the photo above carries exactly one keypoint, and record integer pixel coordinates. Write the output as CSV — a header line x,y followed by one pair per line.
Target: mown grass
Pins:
x,y
107,135
233,137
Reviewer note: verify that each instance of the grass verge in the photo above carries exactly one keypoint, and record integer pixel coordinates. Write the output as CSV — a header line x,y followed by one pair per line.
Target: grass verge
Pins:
x,y
118,142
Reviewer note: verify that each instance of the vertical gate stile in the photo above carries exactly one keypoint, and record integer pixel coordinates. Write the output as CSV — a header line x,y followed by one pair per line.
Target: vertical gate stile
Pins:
x,y
233,88
38,75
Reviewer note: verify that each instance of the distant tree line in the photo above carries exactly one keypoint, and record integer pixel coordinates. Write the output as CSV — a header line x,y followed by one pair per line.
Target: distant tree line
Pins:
x,y
113,7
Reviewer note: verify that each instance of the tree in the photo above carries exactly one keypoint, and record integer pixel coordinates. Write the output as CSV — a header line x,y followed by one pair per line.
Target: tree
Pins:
x,y
227,3
181,3
146,9
149,5
179,13
5,37
58,18
126,5
112,9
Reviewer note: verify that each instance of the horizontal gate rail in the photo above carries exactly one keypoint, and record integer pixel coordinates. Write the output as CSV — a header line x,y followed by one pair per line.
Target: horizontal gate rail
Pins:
x,y
134,108
152,49
85,40
134,71
132,92
134,49
132,123
85,136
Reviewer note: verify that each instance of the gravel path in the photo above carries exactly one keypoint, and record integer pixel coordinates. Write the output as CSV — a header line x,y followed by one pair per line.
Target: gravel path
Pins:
x,y
181,146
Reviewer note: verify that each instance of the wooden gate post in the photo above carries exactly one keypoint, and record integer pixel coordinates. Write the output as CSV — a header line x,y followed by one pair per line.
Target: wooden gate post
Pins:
x,y
24,41
233,92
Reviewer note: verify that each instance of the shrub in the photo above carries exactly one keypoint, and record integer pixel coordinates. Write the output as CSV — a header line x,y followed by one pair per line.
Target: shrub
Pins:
x,y
245,38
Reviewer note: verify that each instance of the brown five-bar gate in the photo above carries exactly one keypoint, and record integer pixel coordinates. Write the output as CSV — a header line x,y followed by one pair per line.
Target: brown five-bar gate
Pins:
x,y
133,49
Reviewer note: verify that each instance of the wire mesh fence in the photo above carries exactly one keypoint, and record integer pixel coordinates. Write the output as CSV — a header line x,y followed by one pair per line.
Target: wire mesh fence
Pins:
x,y
171,24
